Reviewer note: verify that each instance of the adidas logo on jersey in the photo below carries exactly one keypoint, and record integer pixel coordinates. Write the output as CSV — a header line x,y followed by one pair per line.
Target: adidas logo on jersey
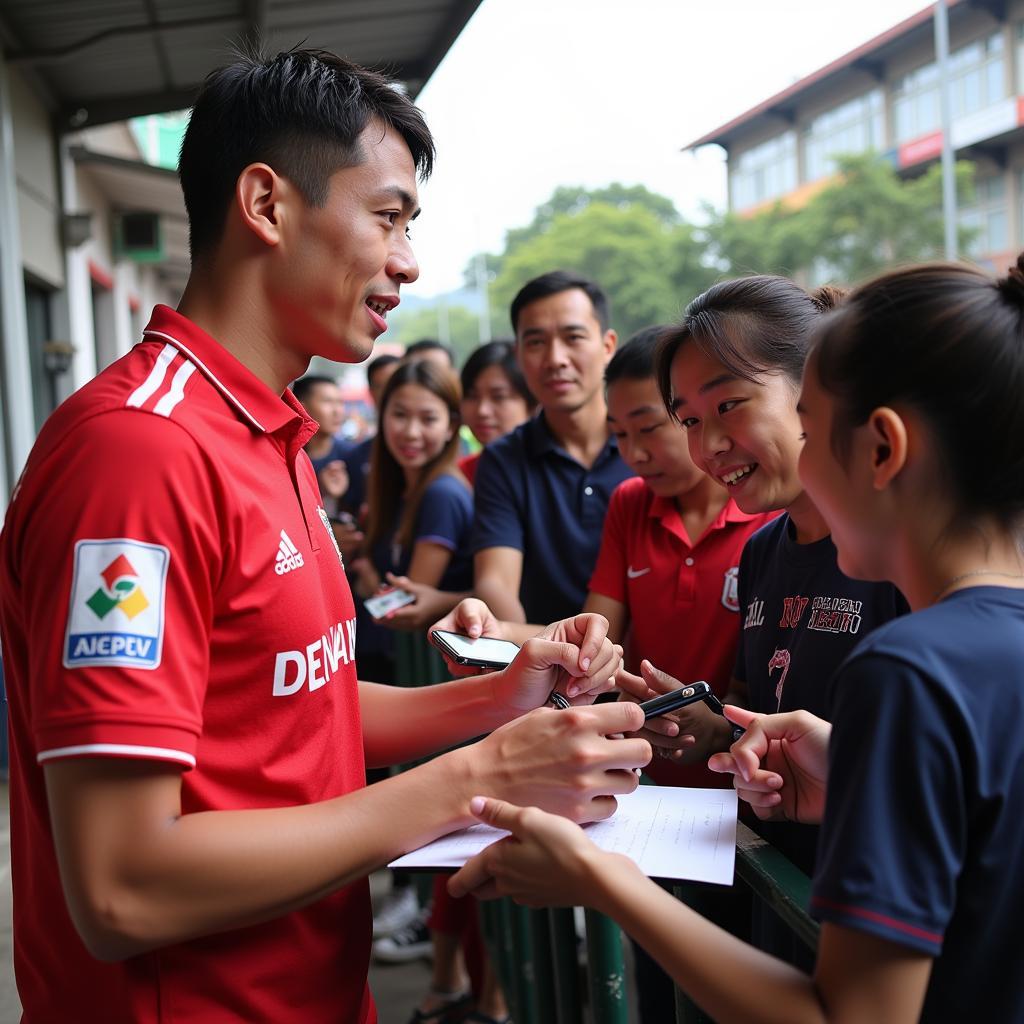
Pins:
x,y
288,556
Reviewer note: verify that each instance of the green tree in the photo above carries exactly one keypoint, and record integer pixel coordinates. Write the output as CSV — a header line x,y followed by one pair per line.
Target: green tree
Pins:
x,y
868,218
649,264
572,200
454,325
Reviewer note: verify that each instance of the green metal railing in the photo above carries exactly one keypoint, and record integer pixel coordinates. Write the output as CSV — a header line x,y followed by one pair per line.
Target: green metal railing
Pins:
x,y
537,954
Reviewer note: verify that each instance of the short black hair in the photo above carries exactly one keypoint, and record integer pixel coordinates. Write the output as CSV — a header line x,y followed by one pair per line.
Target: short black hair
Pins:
x,y
417,348
497,353
378,363
636,359
303,387
553,283
301,112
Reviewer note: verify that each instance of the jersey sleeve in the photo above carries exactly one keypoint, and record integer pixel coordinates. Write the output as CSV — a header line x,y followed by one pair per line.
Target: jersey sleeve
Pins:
x,y
894,837
498,517
445,515
609,576
117,572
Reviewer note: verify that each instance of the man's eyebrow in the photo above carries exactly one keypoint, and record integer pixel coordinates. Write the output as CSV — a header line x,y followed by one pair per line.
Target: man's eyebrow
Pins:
x,y
407,199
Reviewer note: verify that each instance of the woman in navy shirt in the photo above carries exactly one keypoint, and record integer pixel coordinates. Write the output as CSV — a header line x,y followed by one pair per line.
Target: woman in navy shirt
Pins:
x,y
420,505
914,454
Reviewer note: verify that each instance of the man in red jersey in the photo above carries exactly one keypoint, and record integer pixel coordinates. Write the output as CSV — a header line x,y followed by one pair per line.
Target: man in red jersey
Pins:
x,y
190,826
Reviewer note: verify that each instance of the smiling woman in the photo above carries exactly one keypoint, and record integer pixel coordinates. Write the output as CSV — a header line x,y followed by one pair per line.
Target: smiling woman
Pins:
x,y
420,505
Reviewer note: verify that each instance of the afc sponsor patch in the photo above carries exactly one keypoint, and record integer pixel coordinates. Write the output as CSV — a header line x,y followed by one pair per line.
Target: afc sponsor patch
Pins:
x,y
116,616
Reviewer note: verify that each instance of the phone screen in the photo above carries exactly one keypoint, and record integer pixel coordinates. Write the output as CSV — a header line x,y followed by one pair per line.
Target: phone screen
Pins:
x,y
380,604
485,651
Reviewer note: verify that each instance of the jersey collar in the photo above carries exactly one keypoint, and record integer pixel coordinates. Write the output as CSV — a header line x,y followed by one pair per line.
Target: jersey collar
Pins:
x,y
664,509
258,405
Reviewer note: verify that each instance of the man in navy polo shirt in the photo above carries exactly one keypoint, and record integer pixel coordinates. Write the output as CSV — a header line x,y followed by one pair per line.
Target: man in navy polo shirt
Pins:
x,y
542,491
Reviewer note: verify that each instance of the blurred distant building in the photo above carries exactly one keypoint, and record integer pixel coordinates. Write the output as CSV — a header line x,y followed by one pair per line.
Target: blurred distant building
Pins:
x,y
884,96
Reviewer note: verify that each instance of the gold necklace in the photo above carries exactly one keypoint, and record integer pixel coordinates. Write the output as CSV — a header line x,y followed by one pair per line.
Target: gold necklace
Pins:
x,y
945,588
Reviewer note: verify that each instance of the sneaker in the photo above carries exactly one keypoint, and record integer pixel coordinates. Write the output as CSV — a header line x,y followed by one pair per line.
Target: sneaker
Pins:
x,y
398,911
410,943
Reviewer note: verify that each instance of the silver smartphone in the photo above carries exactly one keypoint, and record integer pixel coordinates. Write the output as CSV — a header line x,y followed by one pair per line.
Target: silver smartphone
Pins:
x,y
483,652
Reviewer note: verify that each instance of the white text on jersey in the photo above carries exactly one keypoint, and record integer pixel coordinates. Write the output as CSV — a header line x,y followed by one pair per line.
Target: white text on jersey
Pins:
x,y
316,662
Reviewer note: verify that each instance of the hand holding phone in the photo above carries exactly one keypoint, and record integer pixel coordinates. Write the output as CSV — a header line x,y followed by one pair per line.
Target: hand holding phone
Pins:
x,y
387,601
483,652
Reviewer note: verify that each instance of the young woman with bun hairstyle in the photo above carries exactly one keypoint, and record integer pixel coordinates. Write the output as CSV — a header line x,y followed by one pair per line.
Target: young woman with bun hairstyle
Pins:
x,y
914,456
730,374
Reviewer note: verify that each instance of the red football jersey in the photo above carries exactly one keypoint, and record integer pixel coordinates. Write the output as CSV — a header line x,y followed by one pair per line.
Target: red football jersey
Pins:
x,y
170,589
681,596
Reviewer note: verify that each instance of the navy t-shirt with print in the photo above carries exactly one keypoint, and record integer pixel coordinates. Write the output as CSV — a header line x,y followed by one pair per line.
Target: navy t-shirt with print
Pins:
x,y
923,837
445,517
532,495
800,617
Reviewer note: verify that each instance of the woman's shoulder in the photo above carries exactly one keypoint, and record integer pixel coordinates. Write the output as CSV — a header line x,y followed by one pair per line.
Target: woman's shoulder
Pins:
x,y
450,487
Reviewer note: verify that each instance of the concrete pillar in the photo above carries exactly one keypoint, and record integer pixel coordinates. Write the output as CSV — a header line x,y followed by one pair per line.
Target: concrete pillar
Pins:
x,y
124,335
17,423
79,289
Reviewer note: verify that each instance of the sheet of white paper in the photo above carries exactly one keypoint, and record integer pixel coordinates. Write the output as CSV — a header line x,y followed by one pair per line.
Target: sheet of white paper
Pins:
x,y
669,832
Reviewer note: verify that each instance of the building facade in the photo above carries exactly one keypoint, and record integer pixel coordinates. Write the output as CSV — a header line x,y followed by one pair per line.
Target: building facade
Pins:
x,y
884,97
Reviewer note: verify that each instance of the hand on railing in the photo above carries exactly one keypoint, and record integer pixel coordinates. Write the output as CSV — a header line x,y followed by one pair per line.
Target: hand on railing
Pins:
x,y
780,765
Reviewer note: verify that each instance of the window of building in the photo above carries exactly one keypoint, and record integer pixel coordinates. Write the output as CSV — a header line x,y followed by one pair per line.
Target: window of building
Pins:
x,y
38,315
853,127
764,172
988,217
976,81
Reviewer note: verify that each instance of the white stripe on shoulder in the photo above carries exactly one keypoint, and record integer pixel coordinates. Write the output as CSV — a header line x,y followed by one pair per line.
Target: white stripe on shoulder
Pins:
x,y
156,377
176,392
186,351
118,750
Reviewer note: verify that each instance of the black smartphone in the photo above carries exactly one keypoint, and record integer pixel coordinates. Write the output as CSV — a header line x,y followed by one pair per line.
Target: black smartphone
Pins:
x,y
483,652
692,693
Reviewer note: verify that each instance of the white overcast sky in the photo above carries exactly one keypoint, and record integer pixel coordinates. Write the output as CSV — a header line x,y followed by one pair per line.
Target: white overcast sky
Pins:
x,y
540,93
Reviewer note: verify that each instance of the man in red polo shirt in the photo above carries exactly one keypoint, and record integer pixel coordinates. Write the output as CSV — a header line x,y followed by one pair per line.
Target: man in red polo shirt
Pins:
x,y
190,827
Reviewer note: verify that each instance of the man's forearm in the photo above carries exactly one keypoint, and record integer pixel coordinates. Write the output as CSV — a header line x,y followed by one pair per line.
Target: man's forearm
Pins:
x,y
167,879
405,723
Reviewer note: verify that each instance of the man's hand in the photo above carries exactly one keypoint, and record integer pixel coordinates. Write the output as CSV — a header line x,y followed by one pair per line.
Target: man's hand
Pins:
x,y
334,479
546,861
571,762
780,765
472,618
544,664
691,734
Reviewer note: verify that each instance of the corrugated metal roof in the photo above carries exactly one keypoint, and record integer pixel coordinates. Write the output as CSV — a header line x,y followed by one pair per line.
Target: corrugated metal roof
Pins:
x,y
106,60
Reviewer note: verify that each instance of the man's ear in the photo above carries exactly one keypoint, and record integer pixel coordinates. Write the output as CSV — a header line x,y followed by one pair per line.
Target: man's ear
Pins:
x,y
611,339
258,195
887,436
